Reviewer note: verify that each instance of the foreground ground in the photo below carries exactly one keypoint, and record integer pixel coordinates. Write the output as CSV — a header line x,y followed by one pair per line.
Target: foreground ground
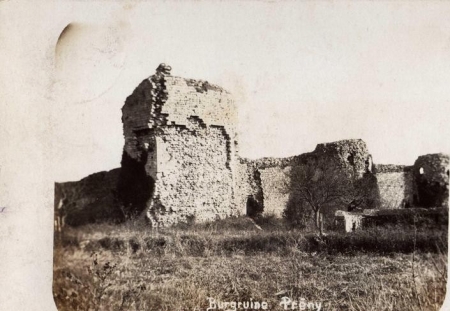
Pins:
x,y
130,268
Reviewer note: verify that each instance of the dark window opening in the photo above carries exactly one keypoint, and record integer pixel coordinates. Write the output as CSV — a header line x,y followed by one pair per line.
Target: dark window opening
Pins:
x,y
254,209
351,159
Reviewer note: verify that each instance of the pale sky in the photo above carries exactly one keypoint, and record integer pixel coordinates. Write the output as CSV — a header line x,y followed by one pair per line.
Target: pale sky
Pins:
x,y
302,73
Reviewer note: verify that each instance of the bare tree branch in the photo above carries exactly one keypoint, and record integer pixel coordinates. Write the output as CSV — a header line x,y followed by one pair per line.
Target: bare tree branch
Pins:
x,y
321,185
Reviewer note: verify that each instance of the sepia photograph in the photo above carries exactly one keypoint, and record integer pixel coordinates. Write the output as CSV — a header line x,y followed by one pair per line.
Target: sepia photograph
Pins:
x,y
254,155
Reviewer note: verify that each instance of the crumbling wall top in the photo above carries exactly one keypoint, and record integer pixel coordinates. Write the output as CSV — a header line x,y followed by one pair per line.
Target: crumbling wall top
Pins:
x,y
434,167
391,168
163,99
195,98
351,152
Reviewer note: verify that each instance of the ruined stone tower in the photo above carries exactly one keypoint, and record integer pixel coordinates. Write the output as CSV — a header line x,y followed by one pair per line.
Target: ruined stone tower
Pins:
x,y
431,175
180,150
180,163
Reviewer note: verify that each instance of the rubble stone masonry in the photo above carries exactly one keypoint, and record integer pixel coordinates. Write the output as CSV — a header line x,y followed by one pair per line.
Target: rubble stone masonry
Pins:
x,y
182,133
395,185
431,175
180,163
280,175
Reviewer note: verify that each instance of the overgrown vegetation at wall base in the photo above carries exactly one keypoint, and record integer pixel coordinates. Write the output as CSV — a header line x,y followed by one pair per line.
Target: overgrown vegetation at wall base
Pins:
x,y
235,259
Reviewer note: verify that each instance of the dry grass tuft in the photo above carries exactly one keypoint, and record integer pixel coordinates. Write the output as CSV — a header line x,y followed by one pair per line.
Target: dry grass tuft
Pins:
x,y
129,267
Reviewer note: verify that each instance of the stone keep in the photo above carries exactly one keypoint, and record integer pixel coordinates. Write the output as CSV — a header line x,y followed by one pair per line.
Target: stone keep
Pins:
x,y
179,157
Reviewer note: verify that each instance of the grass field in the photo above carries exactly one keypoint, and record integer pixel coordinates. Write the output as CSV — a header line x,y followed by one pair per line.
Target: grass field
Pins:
x,y
129,267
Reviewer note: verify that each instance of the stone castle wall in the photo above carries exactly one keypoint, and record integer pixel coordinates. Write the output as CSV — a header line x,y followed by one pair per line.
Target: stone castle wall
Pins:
x,y
180,163
193,175
91,199
210,103
280,176
431,175
395,186
274,183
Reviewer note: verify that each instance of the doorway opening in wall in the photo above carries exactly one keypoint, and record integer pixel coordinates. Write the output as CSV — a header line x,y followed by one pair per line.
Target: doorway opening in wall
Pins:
x,y
254,209
421,171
